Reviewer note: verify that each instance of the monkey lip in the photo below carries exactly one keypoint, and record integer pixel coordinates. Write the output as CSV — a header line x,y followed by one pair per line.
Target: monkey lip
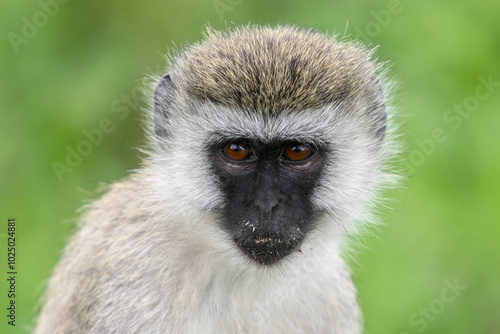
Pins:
x,y
267,250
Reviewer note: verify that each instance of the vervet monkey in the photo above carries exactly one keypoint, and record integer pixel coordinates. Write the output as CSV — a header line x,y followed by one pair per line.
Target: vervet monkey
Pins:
x,y
269,146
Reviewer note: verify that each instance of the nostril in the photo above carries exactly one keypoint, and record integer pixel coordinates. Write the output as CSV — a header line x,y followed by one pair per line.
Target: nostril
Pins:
x,y
266,203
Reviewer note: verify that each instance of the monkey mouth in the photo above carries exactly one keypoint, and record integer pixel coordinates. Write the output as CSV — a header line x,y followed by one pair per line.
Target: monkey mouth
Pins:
x,y
267,250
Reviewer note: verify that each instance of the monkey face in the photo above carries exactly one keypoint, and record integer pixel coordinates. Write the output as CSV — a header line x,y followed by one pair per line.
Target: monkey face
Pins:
x,y
267,189
265,96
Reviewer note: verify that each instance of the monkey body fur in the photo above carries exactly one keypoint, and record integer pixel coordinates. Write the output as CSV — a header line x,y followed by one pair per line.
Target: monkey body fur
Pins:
x,y
165,251
150,275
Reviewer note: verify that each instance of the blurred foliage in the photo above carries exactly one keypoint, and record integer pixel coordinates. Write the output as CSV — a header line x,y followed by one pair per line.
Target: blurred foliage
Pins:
x,y
80,62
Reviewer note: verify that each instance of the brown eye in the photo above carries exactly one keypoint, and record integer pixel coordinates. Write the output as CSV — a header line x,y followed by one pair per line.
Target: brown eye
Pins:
x,y
237,151
297,152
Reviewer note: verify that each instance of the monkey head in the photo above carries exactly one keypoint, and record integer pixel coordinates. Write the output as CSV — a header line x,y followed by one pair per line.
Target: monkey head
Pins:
x,y
289,126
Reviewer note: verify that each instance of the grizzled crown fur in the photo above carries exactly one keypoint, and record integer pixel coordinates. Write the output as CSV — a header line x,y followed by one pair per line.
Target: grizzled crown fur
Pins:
x,y
276,69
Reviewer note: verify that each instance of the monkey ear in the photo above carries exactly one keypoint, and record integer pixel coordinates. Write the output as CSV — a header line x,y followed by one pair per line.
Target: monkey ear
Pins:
x,y
163,99
378,112
381,123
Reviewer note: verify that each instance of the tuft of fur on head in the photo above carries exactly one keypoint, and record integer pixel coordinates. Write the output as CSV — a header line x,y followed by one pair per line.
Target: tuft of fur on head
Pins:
x,y
274,69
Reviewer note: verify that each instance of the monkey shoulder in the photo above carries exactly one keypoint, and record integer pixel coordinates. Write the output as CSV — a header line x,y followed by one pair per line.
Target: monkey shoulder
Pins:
x,y
108,265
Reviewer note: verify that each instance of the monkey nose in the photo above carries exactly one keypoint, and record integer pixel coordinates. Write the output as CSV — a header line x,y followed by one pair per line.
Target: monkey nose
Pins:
x,y
266,205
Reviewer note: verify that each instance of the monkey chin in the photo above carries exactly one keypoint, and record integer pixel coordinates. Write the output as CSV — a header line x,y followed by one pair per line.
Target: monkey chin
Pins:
x,y
267,249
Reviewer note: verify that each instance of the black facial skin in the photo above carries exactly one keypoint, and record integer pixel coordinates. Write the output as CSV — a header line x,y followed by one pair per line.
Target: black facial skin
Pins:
x,y
268,207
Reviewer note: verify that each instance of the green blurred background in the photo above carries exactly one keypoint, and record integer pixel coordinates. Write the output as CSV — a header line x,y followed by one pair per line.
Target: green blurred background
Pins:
x,y
63,70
